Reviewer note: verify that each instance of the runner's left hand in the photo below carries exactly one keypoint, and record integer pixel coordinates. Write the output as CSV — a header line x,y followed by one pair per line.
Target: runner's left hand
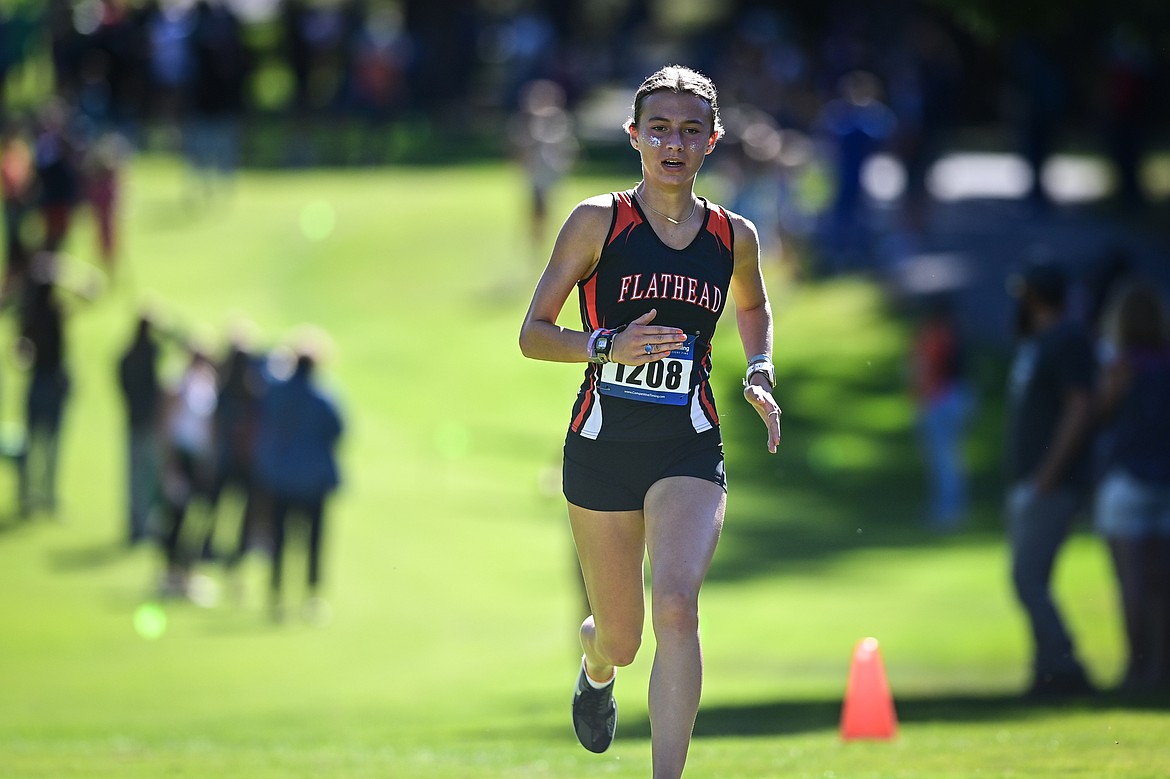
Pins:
x,y
768,410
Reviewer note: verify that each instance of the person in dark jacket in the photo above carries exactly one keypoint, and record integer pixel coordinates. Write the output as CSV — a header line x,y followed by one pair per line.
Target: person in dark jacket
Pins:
x,y
142,392
300,426
1049,454
42,344
243,381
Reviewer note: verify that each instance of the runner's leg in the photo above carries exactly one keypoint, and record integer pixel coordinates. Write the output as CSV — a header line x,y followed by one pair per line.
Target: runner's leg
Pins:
x,y
611,546
684,517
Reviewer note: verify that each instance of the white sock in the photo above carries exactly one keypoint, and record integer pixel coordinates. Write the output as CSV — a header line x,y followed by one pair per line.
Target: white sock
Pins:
x,y
593,684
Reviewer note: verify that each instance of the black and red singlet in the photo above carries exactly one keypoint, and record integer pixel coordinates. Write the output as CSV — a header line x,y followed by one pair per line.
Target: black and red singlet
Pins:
x,y
688,287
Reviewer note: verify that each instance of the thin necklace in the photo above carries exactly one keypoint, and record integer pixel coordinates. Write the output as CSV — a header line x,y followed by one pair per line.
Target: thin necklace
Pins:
x,y
671,219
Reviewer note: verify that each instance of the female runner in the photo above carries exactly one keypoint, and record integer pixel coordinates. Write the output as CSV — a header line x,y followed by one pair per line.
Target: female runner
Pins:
x,y
643,461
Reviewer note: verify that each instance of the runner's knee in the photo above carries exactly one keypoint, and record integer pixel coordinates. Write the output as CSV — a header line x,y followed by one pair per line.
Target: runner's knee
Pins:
x,y
676,613
619,650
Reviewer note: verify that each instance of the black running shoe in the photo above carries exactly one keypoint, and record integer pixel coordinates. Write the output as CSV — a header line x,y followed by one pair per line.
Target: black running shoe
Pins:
x,y
594,714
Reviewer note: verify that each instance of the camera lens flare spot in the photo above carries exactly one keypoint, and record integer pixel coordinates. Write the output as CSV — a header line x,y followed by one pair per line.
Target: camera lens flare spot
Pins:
x,y
150,621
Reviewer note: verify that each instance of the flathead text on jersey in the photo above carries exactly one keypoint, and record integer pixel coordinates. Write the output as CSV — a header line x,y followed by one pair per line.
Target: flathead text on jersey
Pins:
x,y
671,286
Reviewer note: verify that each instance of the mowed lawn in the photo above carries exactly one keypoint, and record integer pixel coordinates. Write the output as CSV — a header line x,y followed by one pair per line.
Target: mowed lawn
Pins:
x,y
451,650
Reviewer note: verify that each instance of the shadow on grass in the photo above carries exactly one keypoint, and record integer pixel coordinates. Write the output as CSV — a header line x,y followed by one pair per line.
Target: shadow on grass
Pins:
x,y
13,521
802,716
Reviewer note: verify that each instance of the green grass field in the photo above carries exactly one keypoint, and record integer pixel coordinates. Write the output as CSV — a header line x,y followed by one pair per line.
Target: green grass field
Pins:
x,y
449,569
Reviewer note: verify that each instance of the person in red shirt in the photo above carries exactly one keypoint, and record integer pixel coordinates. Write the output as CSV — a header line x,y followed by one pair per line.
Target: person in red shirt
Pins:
x,y
18,182
943,400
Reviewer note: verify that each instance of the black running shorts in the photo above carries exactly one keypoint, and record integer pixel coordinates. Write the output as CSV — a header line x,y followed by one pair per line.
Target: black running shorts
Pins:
x,y
616,475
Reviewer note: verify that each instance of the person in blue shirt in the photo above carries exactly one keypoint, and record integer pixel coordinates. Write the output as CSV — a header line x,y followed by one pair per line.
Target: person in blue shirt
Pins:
x,y
300,426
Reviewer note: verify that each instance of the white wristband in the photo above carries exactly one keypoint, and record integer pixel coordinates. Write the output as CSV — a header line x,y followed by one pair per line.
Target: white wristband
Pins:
x,y
592,341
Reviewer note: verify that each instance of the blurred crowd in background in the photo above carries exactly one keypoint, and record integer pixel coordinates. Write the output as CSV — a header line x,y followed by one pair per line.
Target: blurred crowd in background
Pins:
x,y
256,426
827,105
234,453
838,117
213,69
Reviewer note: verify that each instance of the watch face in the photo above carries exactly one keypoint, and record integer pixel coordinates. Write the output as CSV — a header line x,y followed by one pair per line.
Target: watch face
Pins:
x,y
602,343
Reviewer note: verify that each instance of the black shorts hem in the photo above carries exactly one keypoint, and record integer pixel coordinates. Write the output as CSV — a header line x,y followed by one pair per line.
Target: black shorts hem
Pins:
x,y
616,475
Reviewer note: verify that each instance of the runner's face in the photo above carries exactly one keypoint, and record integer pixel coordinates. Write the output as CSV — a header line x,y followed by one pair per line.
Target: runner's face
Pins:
x,y
673,135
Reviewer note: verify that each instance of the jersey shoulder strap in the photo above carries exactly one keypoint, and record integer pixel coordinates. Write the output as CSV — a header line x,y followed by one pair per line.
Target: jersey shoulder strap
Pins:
x,y
625,217
719,225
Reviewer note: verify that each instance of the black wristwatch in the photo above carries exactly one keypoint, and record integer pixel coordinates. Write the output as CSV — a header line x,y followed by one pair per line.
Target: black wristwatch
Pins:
x,y
602,345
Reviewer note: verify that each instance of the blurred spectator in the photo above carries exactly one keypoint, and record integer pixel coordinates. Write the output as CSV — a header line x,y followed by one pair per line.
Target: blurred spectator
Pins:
x,y
1133,499
380,58
142,393
297,50
1050,416
138,91
316,36
18,179
237,420
58,172
299,429
314,42
924,92
1036,104
108,77
1126,99
94,102
221,65
190,468
169,29
528,48
103,173
857,123
944,401
42,348
66,46
542,138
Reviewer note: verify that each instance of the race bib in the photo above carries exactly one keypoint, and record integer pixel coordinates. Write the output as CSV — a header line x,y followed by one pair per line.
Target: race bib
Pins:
x,y
666,381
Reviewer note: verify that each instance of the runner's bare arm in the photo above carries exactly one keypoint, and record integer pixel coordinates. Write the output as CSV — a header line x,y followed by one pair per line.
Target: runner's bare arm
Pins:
x,y
753,316
575,253
753,312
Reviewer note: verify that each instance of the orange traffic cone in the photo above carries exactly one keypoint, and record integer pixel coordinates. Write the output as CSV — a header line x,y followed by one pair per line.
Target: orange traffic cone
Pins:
x,y
868,711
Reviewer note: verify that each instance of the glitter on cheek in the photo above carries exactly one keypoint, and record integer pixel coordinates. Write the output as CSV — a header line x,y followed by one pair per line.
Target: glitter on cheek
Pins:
x,y
655,142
